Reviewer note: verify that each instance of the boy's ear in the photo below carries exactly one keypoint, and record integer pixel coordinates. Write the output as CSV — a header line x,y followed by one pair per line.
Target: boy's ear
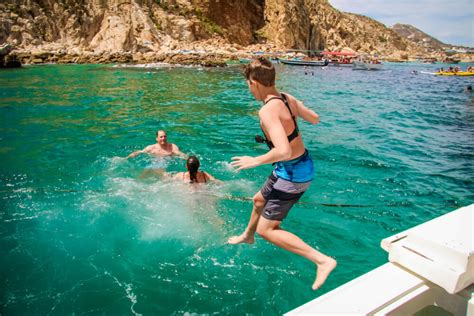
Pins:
x,y
253,82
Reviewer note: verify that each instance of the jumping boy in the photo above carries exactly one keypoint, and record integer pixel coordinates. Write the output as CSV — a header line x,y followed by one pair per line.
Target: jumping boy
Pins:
x,y
293,171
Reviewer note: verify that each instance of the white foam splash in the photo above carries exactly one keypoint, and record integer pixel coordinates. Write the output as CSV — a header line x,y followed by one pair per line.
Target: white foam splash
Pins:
x,y
226,166
158,163
129,292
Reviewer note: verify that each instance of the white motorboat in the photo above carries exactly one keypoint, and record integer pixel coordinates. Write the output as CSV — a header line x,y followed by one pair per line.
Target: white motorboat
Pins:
x,y
430,272
360,65
299,62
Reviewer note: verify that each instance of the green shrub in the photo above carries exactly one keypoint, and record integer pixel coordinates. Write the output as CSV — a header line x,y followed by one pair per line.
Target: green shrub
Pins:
x,y
210,26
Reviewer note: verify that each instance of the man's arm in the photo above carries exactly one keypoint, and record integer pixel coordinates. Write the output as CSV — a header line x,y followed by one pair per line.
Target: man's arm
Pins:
x,y
138,152
306,114
175,150
134,154
282,150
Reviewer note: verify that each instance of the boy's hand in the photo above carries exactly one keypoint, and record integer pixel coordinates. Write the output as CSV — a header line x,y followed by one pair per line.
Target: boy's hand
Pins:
x,y
244,162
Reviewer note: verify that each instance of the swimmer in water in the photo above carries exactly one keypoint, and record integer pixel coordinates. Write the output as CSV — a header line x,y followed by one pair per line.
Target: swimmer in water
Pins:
x,y
161,149
193,175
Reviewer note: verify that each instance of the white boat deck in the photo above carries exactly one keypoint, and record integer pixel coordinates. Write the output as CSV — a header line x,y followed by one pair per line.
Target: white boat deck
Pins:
x,y
431,269
441,250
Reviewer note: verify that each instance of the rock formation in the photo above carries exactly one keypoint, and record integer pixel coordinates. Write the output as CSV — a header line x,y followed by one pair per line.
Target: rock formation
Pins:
x,y
155,30
315,24
434,49
418,37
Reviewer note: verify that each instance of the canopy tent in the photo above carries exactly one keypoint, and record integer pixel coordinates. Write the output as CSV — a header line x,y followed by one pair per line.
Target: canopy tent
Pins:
x,y
338,53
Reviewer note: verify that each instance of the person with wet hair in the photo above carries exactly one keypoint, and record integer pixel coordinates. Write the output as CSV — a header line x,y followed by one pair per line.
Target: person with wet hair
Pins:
x,y
193,175
161,149
293,171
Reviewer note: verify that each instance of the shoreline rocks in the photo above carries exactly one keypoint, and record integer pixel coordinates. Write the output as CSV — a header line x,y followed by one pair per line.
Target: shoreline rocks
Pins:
x,y
205,58
208,53
8,60
205,33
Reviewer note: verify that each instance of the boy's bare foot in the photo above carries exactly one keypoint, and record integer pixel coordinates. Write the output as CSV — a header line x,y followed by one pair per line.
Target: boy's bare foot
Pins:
x,y
323,271
241,239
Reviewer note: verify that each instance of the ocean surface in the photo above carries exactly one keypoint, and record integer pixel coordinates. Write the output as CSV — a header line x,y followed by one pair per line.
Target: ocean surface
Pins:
x,y
85,231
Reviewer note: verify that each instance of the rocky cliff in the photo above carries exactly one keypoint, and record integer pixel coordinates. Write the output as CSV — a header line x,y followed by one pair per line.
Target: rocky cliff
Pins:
x,y
418,37
148,30
315,24
433,48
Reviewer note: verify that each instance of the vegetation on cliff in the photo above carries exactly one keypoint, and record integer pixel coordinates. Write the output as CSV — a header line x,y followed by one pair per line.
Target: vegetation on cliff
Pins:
x,y
150,30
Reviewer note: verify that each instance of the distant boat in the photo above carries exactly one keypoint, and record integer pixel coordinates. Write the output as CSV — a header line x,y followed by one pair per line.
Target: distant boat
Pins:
x,y
248,60
339,64
360,65
275,60
299,62
340,59
458,73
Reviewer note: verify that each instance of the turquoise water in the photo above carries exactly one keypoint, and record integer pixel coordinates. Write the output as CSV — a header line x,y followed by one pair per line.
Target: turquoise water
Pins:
x,y
85,231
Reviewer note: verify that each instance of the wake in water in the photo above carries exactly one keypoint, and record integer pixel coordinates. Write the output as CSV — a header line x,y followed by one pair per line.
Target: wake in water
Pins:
x,y
158,207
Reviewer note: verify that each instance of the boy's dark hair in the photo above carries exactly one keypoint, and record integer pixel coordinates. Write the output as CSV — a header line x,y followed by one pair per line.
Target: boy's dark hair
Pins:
x,y
261,70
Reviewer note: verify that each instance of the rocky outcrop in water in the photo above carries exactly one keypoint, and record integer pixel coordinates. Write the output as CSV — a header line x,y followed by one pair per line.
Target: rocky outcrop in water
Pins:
x,y
153,30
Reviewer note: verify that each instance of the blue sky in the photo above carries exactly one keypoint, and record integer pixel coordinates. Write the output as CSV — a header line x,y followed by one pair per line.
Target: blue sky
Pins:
x,y
450,21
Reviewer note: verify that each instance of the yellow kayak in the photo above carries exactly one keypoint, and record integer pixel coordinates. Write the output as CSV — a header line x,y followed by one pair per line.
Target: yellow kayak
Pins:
x,y
459,73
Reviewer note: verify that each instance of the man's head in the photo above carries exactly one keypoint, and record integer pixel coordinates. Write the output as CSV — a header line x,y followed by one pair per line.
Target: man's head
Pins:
x,y
262,71
161,137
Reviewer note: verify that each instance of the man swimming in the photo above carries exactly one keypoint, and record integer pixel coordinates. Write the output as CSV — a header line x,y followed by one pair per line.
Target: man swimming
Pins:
x,y
161,149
